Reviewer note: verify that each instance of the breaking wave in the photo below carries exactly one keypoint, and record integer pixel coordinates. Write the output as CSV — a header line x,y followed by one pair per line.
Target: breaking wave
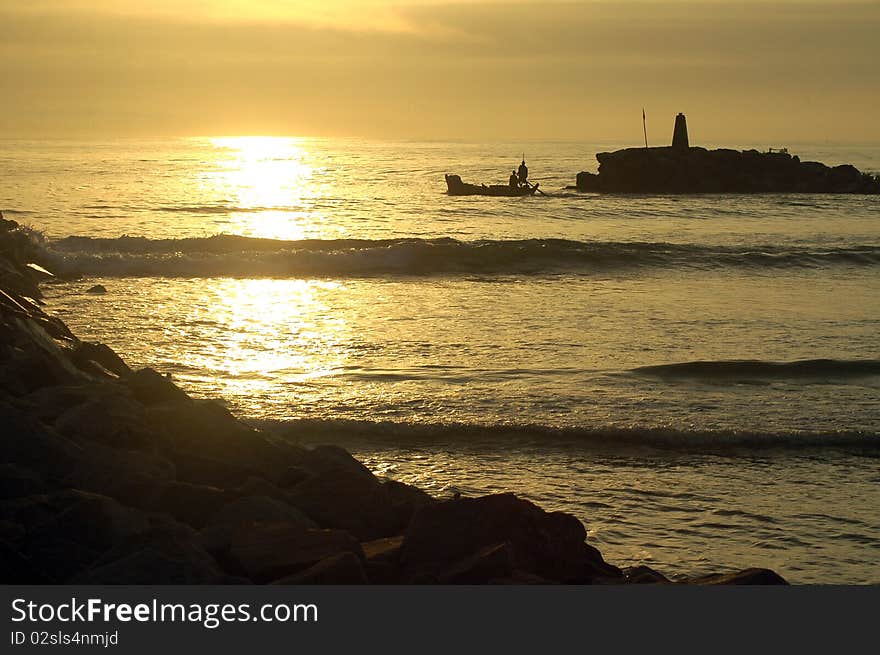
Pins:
x,y
351,432
229,255
758,369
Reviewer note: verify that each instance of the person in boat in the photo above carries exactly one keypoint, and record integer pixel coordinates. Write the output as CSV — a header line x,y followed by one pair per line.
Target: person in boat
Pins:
x,y
523,173
514,180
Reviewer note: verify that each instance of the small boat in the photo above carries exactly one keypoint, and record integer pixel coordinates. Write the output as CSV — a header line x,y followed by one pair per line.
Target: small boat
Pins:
x,y
455,187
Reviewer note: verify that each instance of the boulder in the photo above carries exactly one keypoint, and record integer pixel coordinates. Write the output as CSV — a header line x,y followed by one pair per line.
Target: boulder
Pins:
x,y
754,576
97,289
406,500
81,526
168,553
188,503
259,509
18,481
383,560
330,459
152,388
644,575
548,544
269,551
16,568
113,419
101,354
350,500
484,566
209,435
342,569
29,443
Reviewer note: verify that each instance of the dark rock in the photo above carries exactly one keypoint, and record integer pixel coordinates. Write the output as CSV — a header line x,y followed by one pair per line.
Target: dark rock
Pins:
x,y
29,443
189,503
206,433
744,577
293,476
16,568
259,509
406,500
101,354
348,500
383,560
18,481
116,472
331,459
697,170
82,527
113,419
383,550
97,289
152,388
550,545
202,470
488,564
344,568
166,554
269,551
644,575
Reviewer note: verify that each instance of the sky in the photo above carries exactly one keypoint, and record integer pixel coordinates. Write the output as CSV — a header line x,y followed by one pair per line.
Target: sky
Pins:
x,y
743,71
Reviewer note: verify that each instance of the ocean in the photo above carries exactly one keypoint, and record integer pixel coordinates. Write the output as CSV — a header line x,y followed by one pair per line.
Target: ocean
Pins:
x,y
695,377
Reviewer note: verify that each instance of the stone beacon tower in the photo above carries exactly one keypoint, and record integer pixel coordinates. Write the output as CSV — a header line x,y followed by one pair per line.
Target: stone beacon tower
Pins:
x,y
680,133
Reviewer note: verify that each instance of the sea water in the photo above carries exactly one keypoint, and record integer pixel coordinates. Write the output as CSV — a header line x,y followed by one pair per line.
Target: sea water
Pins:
x,y
695,377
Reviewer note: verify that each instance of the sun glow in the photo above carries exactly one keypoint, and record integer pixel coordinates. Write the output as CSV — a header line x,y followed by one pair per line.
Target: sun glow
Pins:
x,y
271,183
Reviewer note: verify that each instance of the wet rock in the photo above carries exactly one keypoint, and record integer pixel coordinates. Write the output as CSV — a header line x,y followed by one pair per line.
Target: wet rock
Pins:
x,y
548,544
342,569
754,576
270,551
97,289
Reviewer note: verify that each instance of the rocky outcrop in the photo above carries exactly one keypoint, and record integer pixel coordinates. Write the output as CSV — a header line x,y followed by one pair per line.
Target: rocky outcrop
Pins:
x,y
698,170
113,476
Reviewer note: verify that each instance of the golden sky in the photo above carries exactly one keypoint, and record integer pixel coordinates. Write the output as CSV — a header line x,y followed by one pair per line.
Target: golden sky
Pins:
x,y
742,71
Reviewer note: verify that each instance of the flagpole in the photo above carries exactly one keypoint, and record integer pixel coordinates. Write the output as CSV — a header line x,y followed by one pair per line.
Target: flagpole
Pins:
x,y
645,127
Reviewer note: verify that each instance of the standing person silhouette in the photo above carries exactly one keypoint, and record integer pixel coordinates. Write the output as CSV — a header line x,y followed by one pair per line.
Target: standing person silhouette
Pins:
x,y
523,172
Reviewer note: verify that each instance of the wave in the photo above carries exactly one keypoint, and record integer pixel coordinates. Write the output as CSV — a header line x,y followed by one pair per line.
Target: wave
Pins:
x,y
758,369
351,432
230,255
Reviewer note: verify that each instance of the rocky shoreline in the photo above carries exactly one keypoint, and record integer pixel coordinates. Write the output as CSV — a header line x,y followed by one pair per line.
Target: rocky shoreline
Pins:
x,y
115,476
698,170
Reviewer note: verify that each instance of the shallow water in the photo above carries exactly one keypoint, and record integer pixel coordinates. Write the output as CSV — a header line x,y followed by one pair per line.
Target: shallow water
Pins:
x,y
575,348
